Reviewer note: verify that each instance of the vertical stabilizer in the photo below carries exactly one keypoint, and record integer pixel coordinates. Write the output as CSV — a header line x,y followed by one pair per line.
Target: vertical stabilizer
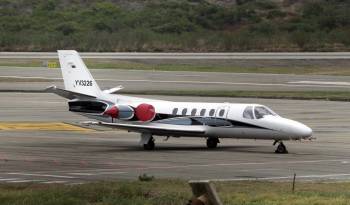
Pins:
x,y
76,76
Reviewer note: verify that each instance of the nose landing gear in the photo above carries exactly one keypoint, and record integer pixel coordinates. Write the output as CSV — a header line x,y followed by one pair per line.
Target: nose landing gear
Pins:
x,y
281,148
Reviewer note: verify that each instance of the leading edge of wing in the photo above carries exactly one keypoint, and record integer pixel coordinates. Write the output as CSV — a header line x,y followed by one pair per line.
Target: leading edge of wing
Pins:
x,y
156,128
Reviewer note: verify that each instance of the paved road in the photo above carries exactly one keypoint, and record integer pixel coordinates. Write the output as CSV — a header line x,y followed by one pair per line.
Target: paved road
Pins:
x,y
220,56
32,78
79,157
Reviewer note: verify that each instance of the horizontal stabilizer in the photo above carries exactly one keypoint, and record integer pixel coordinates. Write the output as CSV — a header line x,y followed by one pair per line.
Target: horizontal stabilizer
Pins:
x,y
67,94
113,90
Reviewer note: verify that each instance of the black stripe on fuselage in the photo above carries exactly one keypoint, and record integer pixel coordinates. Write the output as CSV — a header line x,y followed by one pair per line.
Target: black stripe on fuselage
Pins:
x,y
235,123
244,124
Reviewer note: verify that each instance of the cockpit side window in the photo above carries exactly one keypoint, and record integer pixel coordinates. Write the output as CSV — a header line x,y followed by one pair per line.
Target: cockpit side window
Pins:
x,y
261,111
248,113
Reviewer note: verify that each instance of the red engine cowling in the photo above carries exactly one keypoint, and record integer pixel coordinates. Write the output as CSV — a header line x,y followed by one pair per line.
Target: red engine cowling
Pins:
x,y
145,112
123,112
113,112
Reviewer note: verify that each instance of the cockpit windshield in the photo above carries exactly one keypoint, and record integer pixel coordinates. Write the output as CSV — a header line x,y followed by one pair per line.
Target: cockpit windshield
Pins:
x,y
261,111
257,111
248,113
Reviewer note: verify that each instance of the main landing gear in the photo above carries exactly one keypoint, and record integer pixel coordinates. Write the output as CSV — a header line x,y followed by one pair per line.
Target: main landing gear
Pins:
x,y
150,145
281,148
212,142
147,141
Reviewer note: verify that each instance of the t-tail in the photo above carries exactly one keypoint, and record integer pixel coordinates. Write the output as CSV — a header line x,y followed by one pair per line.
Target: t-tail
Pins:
x,y
76,76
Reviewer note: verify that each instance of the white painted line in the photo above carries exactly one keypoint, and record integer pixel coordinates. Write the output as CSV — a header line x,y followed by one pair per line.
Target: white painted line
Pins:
x,y
42,175
97,173
213,165
317,84
227,83
82,174
29,77
102,173
249,170
321,83
248,163
308,177
24,181
10,179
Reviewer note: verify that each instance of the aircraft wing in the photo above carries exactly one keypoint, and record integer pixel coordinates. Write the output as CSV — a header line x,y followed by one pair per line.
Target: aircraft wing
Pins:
x,y
157,128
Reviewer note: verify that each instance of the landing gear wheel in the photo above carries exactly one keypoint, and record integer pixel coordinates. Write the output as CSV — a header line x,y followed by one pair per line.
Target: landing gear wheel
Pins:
x,y
212,142
150,144
281,149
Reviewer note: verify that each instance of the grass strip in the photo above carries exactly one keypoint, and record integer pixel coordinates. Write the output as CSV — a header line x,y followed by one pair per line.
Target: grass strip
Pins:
x,y
173,192
307,68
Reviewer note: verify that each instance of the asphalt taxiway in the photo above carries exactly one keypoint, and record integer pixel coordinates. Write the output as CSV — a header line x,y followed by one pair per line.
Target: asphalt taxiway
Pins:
x,y
40,78
48,146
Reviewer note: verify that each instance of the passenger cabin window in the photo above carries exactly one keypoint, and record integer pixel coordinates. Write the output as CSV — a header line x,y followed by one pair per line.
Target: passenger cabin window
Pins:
x,y
221,113
184,111
175,111
211,112
193,112
248,113
202,112
261,111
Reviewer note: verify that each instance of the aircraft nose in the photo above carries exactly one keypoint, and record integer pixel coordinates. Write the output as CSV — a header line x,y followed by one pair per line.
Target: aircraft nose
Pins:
x,y
305,131
298,129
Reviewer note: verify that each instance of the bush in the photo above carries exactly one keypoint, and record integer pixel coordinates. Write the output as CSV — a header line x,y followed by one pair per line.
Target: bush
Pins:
x,y
146,178
183,25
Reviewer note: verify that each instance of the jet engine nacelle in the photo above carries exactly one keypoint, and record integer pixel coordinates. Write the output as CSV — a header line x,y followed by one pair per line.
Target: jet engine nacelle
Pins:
x,y
88,106
101,108
143,112
122,112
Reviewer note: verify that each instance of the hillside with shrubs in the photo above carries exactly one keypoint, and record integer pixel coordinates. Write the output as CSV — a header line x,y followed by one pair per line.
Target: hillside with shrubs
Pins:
x,y
175,25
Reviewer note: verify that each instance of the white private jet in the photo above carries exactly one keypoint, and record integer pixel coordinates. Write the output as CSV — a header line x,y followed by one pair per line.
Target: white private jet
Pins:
x,y
171,119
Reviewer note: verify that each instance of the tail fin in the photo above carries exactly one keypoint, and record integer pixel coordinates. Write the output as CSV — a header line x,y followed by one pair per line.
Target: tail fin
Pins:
x,y
76,76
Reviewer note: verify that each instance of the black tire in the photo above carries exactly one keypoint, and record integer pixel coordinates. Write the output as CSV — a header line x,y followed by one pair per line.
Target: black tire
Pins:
x,y
212,143
150,145
281,149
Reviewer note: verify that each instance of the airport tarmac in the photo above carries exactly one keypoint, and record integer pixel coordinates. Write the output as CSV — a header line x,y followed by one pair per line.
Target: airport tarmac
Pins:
x,y
47,147
40,78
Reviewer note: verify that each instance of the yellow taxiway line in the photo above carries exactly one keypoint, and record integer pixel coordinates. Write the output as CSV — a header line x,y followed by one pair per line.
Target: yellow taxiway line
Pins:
x,y
40,126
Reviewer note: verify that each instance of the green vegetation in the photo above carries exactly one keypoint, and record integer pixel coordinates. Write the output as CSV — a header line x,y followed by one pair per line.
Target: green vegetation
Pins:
x,y
304,68
173,192
174,25
146,178
298,95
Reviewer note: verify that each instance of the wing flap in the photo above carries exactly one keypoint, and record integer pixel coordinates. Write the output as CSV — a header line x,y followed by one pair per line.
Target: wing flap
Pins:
x,y
157,128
